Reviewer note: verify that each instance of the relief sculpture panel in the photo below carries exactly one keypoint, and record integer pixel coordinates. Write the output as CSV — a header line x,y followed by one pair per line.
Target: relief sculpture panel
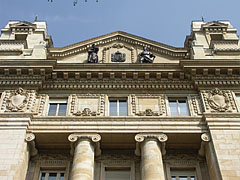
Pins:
x,y
87,105
148,105
217,100
19,100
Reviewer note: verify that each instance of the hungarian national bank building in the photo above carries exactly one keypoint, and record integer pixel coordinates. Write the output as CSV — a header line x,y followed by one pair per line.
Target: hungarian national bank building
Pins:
x,y
119,106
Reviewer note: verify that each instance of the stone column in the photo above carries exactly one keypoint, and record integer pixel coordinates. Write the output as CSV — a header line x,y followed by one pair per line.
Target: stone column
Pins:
x,y
151,155
83,160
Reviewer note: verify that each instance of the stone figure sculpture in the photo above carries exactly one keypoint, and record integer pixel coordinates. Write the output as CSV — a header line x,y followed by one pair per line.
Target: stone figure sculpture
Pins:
x,y
92,54
146,56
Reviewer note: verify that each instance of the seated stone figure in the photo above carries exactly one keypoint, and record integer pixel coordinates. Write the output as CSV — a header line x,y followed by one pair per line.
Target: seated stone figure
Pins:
x,y
146,56
92,54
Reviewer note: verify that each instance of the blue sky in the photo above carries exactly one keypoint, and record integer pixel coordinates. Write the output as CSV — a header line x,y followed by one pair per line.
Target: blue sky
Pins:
x,y
165,21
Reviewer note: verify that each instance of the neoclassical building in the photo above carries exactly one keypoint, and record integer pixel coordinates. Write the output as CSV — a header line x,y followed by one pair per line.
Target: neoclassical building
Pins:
x,y
119,106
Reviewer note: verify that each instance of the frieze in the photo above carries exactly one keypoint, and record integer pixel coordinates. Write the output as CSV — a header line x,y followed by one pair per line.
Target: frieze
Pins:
x,y
142,107
217,100
87,105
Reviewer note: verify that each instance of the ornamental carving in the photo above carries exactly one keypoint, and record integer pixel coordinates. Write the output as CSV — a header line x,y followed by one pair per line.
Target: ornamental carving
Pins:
x,y
148,105
218,100
87,105
120,57
19,100
148,112
85,112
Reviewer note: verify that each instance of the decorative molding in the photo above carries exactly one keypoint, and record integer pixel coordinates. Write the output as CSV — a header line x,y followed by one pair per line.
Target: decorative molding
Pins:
x,y
196,105
158,136
88,110
30,138
41,99
148,111
95,138
217,100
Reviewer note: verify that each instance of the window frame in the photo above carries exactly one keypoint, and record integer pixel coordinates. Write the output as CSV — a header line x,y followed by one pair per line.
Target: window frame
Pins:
x,y
183,172
117,164
118,99
177,99
182,166
52,171
57,101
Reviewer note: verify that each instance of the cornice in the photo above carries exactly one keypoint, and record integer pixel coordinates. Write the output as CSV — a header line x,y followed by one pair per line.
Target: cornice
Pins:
x,y
207,63
117,124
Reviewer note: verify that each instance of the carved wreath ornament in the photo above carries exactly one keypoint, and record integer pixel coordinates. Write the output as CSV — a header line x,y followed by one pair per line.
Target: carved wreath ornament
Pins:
x,y
218,100
17,100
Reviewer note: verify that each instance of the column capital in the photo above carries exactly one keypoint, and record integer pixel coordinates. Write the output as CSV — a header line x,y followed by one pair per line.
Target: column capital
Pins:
x,y
95,138
205,137
29,138
157,136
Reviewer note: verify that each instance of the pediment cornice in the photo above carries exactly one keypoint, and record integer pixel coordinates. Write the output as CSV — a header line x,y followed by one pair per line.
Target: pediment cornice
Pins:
x,y
118,37
23,24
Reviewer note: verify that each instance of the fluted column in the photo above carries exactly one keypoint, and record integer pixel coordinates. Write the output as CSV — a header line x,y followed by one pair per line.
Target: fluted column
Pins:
x,y
151,155
83,160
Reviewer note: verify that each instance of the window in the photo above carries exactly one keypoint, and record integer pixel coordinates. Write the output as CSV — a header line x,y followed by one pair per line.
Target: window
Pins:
x,y
55,175
57,107
118,107
178,107
183,175
117,174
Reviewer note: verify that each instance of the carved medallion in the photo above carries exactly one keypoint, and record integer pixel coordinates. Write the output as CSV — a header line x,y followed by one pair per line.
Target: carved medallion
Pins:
x,y
118,57
218,100
85,112
17,100
148,112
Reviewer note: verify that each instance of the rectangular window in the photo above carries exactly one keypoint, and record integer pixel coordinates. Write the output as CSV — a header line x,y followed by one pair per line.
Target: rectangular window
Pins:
x,y
57,107
118,107
117,174
178,107
183,175
48,175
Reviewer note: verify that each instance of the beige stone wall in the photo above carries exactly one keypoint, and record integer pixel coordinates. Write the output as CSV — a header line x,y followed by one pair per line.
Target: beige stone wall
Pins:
x,y
13,155
227,147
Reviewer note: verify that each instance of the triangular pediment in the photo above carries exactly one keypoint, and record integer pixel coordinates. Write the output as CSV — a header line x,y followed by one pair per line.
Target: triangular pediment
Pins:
x,y
117,38
23,24
214,24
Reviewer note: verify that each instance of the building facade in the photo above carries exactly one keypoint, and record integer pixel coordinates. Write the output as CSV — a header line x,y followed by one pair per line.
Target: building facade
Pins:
x,y
119,106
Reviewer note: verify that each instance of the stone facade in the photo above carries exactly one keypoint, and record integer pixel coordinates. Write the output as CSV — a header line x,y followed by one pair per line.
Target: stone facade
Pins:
x,y
122,118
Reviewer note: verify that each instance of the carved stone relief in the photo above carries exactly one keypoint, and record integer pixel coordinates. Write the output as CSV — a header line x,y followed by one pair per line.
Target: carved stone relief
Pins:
x,y
122,56
148,105
217,100
19,100
87,105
